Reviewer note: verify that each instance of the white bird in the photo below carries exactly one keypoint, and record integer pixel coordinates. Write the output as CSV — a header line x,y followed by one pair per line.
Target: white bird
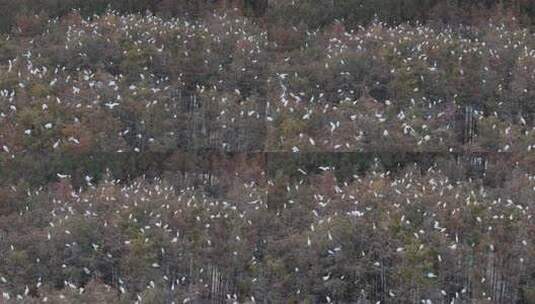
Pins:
x,y
333,126
111,105
431,275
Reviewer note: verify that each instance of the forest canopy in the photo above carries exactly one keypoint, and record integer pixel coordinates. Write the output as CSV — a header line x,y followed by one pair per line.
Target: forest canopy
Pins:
x,y
342,151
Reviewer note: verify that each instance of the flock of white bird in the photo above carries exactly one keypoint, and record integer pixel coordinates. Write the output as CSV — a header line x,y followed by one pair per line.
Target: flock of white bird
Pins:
x,y
82,106
324,105
438,223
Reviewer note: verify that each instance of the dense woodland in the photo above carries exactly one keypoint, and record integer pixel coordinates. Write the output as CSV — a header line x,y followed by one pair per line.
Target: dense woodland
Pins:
x,y
343,151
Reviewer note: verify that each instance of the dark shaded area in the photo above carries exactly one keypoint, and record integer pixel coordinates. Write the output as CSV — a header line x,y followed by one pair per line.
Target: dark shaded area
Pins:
x,y
314,13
